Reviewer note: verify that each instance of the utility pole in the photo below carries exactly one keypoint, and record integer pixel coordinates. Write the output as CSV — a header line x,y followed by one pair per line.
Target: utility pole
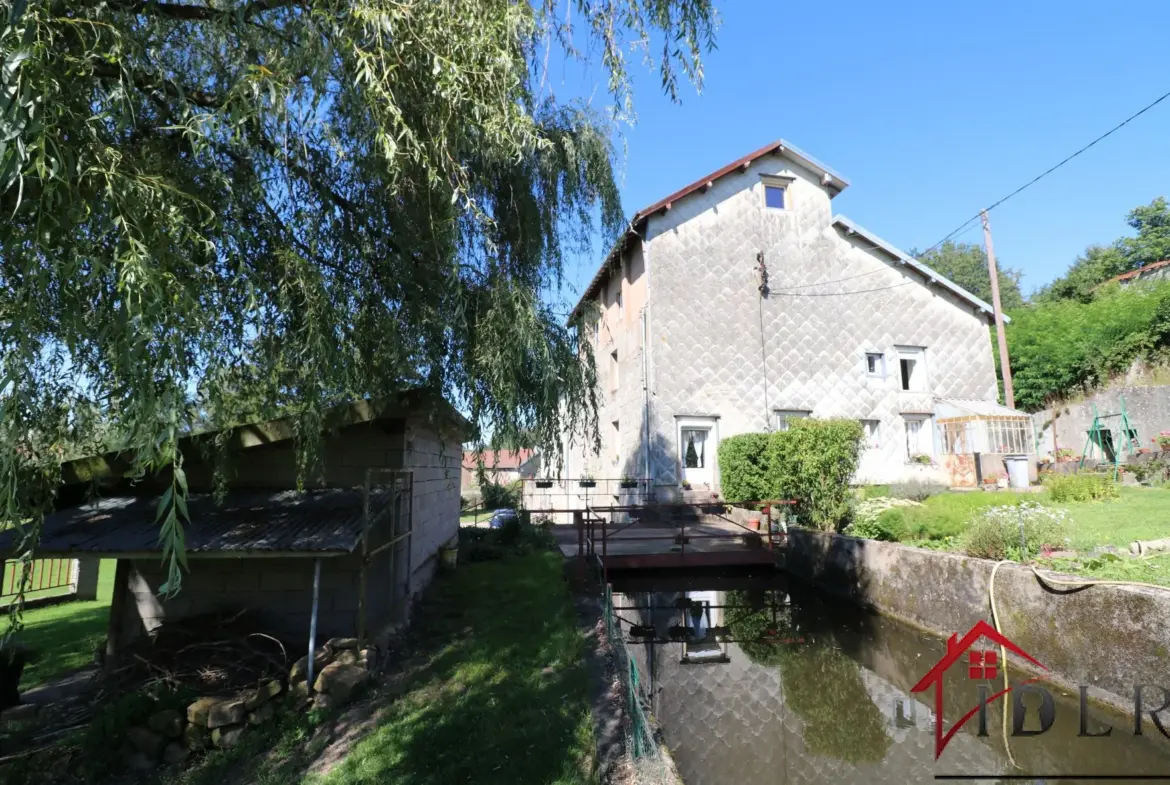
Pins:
x,y
1009,396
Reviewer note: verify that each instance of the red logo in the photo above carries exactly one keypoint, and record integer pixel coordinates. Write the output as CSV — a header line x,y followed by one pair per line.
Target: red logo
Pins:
x,y
980,665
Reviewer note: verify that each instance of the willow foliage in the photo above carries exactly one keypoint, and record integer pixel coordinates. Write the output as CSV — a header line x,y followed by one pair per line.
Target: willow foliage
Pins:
x,y
218,209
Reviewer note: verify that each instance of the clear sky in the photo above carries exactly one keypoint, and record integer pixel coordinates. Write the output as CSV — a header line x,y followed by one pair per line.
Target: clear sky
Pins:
x,y
932,110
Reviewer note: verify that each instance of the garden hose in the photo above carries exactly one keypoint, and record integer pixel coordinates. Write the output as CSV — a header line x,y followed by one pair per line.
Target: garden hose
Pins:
x,y
1003,650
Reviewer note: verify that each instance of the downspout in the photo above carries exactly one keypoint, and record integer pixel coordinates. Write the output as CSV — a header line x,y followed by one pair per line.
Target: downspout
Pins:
x,y
313,619
645,397
646,365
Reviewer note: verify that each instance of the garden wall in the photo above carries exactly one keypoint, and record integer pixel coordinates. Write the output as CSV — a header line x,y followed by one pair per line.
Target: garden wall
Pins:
x,y
1148,409
1108,637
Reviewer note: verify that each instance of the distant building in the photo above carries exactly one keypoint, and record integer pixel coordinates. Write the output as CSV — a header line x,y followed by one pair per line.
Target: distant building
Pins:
x,y
499,466
1155,271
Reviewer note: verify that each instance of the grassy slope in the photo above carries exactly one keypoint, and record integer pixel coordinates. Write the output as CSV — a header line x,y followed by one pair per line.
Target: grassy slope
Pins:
x,y
499,696
504,698
1140,514
64,636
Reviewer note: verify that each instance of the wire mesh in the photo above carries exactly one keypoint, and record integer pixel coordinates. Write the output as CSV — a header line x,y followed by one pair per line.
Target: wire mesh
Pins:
x,y
640,738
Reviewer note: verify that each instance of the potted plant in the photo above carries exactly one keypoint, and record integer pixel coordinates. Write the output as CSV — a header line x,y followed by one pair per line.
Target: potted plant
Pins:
x,y
1162,440
1065,454
587,481
686,485
992,481
544,482
628,482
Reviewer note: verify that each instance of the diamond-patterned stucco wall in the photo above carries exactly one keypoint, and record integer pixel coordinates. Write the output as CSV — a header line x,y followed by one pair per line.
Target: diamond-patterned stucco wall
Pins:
x,y
716,348
832,299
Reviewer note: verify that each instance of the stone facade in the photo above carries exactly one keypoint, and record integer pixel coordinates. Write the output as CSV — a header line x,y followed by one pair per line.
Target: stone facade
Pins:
x,y
694,337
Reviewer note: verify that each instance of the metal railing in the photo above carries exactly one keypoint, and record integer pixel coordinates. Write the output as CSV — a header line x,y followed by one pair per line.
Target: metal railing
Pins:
x,y
594,528
560,497
42,576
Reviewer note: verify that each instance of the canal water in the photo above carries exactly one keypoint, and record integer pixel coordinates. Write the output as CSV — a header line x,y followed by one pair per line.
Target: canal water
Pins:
x,y
775,683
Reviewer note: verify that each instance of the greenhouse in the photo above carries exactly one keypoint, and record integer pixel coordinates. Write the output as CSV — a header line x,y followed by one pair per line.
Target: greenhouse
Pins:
x,y
984,427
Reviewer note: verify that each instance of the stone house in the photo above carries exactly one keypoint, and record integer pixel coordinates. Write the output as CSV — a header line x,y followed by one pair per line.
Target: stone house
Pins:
x,y
353,548
741,302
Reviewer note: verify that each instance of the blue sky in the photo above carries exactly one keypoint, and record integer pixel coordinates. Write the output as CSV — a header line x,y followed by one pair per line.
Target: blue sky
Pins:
x,y
932,110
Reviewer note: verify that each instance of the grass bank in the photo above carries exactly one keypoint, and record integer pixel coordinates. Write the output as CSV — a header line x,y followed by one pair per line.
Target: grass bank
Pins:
x,y
1137,514
64,636
494,691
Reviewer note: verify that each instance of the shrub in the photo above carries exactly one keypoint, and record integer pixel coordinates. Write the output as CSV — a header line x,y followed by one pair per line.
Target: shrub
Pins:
x,y
917,491
996,533
497,496
1081,487
743,467
888,526
812,463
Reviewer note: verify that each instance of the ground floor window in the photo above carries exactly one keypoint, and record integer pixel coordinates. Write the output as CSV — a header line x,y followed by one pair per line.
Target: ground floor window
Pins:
x,y
919,436
872,435
782,419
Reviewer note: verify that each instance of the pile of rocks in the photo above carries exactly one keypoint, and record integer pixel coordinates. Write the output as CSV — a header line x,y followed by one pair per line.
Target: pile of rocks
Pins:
x,y
220,721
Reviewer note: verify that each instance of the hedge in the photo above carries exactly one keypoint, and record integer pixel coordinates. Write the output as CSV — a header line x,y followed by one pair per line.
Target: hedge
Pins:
x,y
811,463
743,467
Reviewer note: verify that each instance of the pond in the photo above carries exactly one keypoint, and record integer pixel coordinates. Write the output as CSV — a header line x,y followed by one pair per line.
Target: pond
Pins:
x,y
775,683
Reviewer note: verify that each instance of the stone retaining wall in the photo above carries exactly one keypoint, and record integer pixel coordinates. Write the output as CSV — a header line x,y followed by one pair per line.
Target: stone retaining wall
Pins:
x,y
1108,637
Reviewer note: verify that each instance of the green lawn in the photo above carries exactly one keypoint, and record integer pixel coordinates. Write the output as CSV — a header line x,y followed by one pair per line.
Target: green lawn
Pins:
x,y
1139,514
480,515
495,692
64,636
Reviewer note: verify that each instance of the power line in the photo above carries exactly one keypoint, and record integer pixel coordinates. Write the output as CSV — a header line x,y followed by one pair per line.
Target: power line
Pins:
x,y
1052,169
840,294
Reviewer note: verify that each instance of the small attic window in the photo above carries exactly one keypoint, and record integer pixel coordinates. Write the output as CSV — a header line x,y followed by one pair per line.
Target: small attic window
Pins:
x,y
774,196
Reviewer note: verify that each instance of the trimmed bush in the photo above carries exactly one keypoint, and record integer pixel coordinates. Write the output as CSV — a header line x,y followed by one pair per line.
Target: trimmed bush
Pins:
x,y
812,463
1081,487
888,526
497,496
743,467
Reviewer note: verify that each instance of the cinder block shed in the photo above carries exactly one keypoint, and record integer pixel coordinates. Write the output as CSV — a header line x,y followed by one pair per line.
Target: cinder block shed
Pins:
x,y
353,550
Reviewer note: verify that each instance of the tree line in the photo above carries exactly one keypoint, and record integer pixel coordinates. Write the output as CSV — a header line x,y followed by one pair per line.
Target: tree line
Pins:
x,y
1078,331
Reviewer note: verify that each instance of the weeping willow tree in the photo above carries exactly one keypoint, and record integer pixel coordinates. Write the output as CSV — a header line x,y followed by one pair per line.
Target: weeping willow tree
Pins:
x,y
232,208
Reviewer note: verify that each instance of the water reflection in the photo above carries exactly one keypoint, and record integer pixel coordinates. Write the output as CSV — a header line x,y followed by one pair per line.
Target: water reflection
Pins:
x,y
759,682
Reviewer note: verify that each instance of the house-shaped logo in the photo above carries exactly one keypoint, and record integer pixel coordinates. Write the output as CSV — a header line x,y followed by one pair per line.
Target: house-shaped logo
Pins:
x,y
981,665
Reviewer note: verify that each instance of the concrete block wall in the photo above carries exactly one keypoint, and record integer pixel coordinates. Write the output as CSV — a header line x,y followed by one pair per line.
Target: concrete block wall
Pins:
x,y
1148,409
434,461
278,593
346,455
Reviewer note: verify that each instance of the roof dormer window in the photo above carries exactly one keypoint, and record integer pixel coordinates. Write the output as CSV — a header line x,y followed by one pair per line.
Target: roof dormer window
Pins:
x,y
776,191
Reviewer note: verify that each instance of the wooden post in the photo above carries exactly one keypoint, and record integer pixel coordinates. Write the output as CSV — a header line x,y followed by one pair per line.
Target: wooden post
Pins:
x,y
117,611
579,522
1009,396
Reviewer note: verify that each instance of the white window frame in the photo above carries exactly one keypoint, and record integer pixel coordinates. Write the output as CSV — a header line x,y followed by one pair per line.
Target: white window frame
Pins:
x,y
920,378
687,422
781,417
776,181
873,434
880,373
925,431
613,371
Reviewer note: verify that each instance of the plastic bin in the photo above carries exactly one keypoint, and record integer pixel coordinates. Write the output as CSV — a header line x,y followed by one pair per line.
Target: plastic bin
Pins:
x,y
1017,469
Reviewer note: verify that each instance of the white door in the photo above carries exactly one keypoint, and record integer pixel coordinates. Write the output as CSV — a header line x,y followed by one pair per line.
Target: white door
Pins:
x,y
697,455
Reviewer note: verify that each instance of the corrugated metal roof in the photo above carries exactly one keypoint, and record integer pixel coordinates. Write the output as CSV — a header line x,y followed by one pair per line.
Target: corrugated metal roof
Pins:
x,y
315,522
968,406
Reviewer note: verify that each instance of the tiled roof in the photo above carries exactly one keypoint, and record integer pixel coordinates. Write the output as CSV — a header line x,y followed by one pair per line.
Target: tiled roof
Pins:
x,y
315,522
497,459
1139,272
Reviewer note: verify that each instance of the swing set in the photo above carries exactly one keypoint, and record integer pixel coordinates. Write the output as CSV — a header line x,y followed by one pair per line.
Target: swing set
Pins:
x,y
1101,438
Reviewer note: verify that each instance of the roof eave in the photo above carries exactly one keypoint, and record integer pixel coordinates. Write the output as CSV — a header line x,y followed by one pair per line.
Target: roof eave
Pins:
x,y
932,276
